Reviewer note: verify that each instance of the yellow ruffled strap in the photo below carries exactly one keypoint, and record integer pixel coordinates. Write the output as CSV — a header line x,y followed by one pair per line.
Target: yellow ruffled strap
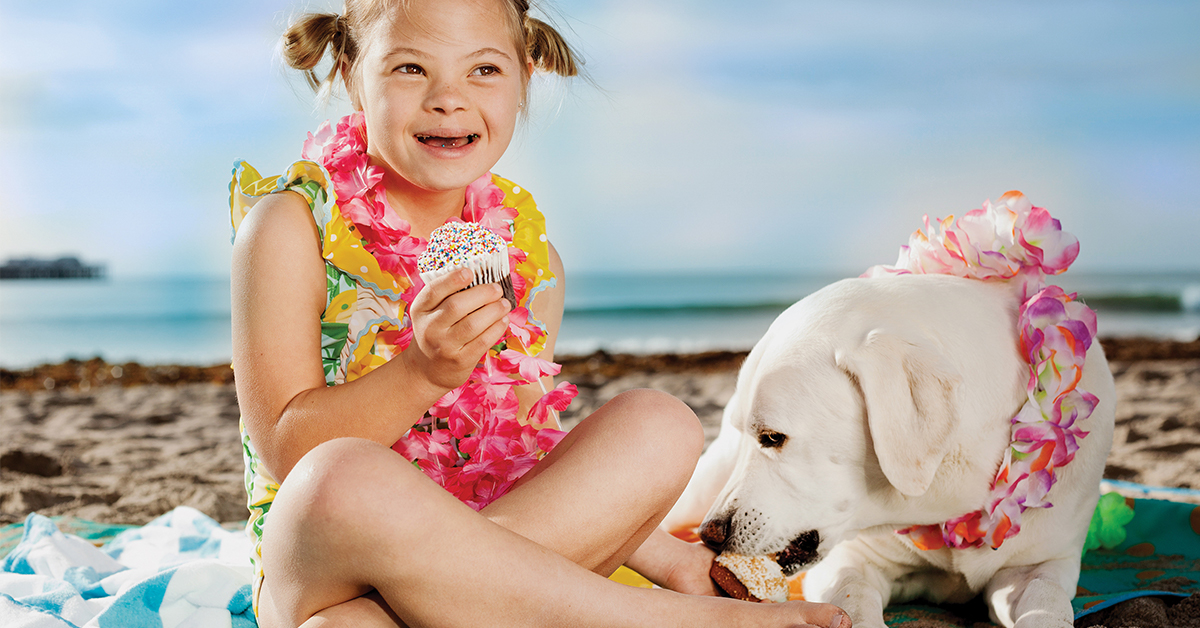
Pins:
x,y
529,235
340,245
306,178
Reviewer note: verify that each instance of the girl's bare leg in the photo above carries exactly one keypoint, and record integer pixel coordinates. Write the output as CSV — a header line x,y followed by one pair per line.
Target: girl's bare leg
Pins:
x,y
609,483
354,516
368,611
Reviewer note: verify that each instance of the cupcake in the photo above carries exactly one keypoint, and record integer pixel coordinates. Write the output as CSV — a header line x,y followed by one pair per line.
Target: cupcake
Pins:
x,y
749,578
458,244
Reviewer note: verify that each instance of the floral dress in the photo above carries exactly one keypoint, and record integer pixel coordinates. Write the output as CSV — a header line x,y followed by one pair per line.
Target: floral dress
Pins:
x,y
471,441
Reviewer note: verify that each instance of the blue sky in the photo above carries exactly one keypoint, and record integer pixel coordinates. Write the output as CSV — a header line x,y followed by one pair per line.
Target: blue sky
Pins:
x,y
791,136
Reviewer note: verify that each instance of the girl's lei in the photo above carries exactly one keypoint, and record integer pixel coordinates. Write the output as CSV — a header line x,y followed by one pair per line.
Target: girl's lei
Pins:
x,y
1014,240
470,441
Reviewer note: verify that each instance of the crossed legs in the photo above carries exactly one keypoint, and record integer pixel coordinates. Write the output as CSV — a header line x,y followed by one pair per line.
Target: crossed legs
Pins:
x,y
358,536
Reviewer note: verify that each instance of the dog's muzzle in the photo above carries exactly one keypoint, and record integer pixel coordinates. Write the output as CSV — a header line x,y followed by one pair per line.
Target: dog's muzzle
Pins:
x,y
800,553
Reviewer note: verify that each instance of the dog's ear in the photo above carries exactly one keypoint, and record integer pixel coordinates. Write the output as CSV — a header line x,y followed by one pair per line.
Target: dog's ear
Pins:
x,y
909,391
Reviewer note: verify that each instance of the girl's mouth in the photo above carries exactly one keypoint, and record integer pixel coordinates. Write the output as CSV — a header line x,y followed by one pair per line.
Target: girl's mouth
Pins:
x,y
447,142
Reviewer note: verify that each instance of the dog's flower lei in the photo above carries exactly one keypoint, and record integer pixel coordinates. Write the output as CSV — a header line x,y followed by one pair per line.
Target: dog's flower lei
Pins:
x,y
470,441
1013,240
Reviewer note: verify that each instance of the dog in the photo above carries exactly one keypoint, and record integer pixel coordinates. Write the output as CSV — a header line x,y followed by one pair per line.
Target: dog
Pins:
x,y
876,404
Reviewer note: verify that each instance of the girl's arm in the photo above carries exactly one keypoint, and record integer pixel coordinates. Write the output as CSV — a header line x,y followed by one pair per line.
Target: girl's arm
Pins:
x,y
278,290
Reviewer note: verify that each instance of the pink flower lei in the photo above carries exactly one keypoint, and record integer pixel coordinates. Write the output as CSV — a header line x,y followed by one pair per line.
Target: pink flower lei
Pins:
x,y
471,441
1015,240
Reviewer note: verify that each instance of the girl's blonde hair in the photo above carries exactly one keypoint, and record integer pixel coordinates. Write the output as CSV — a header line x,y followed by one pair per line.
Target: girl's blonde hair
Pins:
x,y
309,38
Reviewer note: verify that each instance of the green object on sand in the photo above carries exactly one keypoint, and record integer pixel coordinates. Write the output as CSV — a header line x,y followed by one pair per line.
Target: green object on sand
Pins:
x,y
1107,528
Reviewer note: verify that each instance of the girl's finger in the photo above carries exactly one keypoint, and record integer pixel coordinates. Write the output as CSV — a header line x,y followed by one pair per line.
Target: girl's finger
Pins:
x,y
442,288
488,337
477,323
462,304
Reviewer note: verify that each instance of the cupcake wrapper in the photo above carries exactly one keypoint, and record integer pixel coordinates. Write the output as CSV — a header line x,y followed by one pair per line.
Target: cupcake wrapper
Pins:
x,y
487,268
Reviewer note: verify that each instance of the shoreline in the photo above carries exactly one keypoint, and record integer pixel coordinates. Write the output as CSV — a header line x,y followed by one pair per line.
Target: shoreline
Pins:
x,y
95,372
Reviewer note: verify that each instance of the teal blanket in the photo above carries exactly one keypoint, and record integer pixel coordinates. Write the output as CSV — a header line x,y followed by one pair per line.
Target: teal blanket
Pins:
x,y
1159,555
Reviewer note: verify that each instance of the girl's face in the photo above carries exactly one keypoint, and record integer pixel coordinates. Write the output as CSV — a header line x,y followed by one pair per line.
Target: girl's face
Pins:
x,y
440,86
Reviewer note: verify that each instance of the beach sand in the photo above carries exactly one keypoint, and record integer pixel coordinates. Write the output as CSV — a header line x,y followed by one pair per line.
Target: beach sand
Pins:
x,y
125,443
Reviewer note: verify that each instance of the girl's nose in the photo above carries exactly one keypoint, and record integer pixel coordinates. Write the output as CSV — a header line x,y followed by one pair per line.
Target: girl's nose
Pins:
x,y
446,98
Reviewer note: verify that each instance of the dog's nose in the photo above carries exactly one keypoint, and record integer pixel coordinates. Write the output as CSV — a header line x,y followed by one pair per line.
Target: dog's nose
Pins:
x,y
715,532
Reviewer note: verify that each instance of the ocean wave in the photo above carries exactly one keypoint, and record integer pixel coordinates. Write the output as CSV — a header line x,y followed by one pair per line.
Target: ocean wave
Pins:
x,y
1191,298
1135,302
1185,300
601,309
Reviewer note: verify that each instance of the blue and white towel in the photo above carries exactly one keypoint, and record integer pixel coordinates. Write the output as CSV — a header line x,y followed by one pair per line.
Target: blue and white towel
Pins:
x,y
180,570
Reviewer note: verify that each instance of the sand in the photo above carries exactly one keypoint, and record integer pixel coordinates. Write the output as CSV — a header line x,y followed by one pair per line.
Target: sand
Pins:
x,y
125,443
121,455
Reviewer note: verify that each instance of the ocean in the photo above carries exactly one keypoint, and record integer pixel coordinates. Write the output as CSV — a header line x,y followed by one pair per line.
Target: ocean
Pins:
x,y
185,320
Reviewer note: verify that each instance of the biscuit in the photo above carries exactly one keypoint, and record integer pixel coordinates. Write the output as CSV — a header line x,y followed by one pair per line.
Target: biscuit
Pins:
x,y
749,578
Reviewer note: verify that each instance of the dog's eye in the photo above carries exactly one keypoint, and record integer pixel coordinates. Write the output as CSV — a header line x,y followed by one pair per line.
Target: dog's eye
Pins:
x,y
771,440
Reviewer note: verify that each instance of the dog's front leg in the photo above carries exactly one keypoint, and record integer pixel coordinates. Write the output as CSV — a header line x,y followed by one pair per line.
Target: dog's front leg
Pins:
x,y
1034,596
847,578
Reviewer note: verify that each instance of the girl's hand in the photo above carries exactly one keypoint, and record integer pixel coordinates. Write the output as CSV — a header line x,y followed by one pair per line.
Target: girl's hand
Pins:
x,y
454,326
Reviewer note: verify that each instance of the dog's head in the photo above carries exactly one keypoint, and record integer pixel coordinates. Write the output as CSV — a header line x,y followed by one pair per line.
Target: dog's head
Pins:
x,y
847,407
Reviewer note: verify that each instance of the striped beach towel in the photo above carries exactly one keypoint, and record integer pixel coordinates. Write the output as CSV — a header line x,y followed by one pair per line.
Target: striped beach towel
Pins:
x,y
182,569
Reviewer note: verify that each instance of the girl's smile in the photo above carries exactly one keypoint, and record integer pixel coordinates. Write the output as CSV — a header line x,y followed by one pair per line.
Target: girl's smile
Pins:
x,y
446,139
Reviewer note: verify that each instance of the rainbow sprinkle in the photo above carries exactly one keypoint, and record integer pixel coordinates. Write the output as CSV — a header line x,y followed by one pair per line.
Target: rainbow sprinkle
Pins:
x,y
455,242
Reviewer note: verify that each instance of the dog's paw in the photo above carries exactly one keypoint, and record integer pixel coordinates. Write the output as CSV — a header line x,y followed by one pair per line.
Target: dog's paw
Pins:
x,y
1042,619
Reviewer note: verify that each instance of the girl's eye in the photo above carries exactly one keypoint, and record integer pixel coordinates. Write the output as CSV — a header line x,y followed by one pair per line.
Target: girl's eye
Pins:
x,y
410,68
485,70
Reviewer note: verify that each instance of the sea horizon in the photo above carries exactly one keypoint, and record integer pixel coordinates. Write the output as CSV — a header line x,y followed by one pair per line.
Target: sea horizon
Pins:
x,y
186,319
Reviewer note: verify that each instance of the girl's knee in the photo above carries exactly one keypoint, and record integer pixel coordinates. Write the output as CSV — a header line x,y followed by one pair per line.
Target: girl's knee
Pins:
x,y
347,498
661,423
651,424
336,482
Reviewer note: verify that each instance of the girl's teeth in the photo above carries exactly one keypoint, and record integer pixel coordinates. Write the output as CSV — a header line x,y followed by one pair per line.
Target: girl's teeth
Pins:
x,y
448,142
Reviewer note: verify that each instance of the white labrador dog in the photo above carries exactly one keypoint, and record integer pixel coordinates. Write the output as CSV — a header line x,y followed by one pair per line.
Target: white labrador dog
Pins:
x,y
876,404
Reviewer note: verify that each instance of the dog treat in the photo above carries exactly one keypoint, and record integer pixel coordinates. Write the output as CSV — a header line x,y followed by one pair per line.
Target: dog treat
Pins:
x,y
749,578
458,244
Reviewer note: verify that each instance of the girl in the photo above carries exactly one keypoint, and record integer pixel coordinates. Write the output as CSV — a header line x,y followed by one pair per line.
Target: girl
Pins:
x,y
350,368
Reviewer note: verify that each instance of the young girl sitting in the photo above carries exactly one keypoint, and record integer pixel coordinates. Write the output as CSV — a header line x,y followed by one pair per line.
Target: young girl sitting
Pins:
x,y
395,431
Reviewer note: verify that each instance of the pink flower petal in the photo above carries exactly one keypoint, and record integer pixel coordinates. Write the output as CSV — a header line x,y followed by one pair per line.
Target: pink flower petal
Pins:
x,y
559,399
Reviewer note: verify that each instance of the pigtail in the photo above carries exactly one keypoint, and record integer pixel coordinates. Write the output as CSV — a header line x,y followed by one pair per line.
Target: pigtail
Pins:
x,y
307,40
548,49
